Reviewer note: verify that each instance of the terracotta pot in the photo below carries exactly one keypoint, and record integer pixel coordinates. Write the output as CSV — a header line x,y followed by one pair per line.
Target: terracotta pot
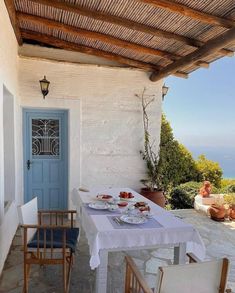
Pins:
x,y
156,196
217,213
232,212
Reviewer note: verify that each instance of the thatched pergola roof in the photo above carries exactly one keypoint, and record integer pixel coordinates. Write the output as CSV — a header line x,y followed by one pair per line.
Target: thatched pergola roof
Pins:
x,y
161,36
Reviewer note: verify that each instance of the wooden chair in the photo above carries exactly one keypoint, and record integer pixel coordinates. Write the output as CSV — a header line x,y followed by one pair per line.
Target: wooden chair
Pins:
x,y
49,238
203,277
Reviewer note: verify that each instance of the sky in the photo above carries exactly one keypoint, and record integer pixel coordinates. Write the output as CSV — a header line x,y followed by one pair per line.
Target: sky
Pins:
x,y
201,111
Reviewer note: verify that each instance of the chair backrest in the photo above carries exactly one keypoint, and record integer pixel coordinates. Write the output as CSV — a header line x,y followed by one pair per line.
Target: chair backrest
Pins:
x,y
75,197
206,277
77,204
28,215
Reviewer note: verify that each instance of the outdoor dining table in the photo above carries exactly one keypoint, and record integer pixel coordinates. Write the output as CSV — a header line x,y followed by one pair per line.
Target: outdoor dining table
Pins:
x,y
104,234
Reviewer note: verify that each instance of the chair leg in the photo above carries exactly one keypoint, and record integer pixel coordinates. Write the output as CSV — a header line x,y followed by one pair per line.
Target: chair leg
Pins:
x,y
70,263
64,275
26,277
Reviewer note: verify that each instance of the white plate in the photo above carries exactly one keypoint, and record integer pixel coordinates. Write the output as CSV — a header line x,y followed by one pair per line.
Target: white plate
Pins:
x,y
135,220
147,214
98,206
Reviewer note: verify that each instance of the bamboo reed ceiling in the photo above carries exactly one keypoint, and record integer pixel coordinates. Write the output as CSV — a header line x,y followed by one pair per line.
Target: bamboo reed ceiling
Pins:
x,y
161,36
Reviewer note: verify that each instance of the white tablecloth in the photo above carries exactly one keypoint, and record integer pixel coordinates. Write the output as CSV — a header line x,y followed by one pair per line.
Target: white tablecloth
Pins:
x,y
101,234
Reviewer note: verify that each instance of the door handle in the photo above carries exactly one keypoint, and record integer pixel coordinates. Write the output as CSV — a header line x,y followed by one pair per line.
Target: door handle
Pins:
x,y
28,164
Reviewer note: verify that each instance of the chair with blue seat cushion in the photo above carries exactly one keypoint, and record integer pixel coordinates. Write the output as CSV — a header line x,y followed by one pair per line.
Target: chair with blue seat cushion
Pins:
x,y
50,238
57,236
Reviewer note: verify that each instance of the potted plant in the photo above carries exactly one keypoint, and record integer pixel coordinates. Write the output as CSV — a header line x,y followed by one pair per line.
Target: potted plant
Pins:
x,y
153,183
230,200
217,210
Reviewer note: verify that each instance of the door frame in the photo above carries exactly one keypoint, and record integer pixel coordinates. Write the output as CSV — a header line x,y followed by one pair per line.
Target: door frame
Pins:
x,y
25,112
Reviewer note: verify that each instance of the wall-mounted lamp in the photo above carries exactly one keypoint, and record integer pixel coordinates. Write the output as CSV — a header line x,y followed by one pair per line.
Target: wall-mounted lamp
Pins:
x,y
164,91
44,83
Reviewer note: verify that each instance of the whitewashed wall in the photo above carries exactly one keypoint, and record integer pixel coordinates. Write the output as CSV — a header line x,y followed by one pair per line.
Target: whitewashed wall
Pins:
x,y
9,79
105,121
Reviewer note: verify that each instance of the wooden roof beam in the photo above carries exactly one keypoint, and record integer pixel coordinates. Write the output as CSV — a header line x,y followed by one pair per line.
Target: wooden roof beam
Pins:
x,y
101,37
208,49
50,40
78,9
192,13
95,36
12,15
58,43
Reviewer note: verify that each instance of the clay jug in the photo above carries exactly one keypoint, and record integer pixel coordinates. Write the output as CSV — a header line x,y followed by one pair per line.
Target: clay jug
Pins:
x,y
217,213
232,212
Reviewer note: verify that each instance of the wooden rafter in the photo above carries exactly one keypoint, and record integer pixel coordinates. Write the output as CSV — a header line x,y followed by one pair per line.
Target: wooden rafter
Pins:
x,y
102,37
94,35
192,13
12,15
50,40
208,49
78,9
58,43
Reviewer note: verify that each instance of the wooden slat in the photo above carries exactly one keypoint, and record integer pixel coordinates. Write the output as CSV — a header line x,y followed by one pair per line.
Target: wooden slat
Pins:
x,y
78,9
134,270
12,15
224,274
202,64
50,40
94,35
208,49
192,13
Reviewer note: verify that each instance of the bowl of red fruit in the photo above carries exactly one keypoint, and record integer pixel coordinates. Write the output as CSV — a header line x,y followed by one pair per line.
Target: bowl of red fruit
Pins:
x,y
126,195
142,206
122,204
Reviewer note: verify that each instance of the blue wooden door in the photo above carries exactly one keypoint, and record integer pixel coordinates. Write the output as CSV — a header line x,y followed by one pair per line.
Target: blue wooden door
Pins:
x,y
46,158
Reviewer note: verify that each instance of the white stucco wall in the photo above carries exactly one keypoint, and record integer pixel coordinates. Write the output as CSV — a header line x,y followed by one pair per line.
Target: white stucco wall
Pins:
x,y
105,117
105,120
9,79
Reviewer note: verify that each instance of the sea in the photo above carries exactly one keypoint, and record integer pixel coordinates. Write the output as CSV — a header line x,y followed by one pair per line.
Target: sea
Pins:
x,y
225,156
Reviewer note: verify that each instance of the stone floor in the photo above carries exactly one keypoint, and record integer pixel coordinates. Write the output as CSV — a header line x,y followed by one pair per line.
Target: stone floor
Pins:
x,y
218,237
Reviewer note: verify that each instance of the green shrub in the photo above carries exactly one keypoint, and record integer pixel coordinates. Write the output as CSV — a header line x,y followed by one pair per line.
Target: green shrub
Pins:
x,y
182,197
231,188
227,182
210,170
229,198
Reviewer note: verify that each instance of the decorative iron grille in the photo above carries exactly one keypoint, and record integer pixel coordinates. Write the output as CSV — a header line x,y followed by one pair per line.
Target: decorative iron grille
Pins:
x,y
45,137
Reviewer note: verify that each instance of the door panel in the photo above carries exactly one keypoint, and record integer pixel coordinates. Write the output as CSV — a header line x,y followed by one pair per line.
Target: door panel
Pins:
x,y
45,158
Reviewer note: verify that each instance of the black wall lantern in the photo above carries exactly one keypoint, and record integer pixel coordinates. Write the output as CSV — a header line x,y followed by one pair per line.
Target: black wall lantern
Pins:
x,y
164,91
44,83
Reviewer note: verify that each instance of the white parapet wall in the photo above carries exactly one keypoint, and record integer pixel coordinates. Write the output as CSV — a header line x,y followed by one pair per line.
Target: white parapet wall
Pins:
x,y
8,90
8,228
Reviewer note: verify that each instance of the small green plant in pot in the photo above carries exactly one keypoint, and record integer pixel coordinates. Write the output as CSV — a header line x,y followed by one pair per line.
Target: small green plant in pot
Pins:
x,y
153,183
230,200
